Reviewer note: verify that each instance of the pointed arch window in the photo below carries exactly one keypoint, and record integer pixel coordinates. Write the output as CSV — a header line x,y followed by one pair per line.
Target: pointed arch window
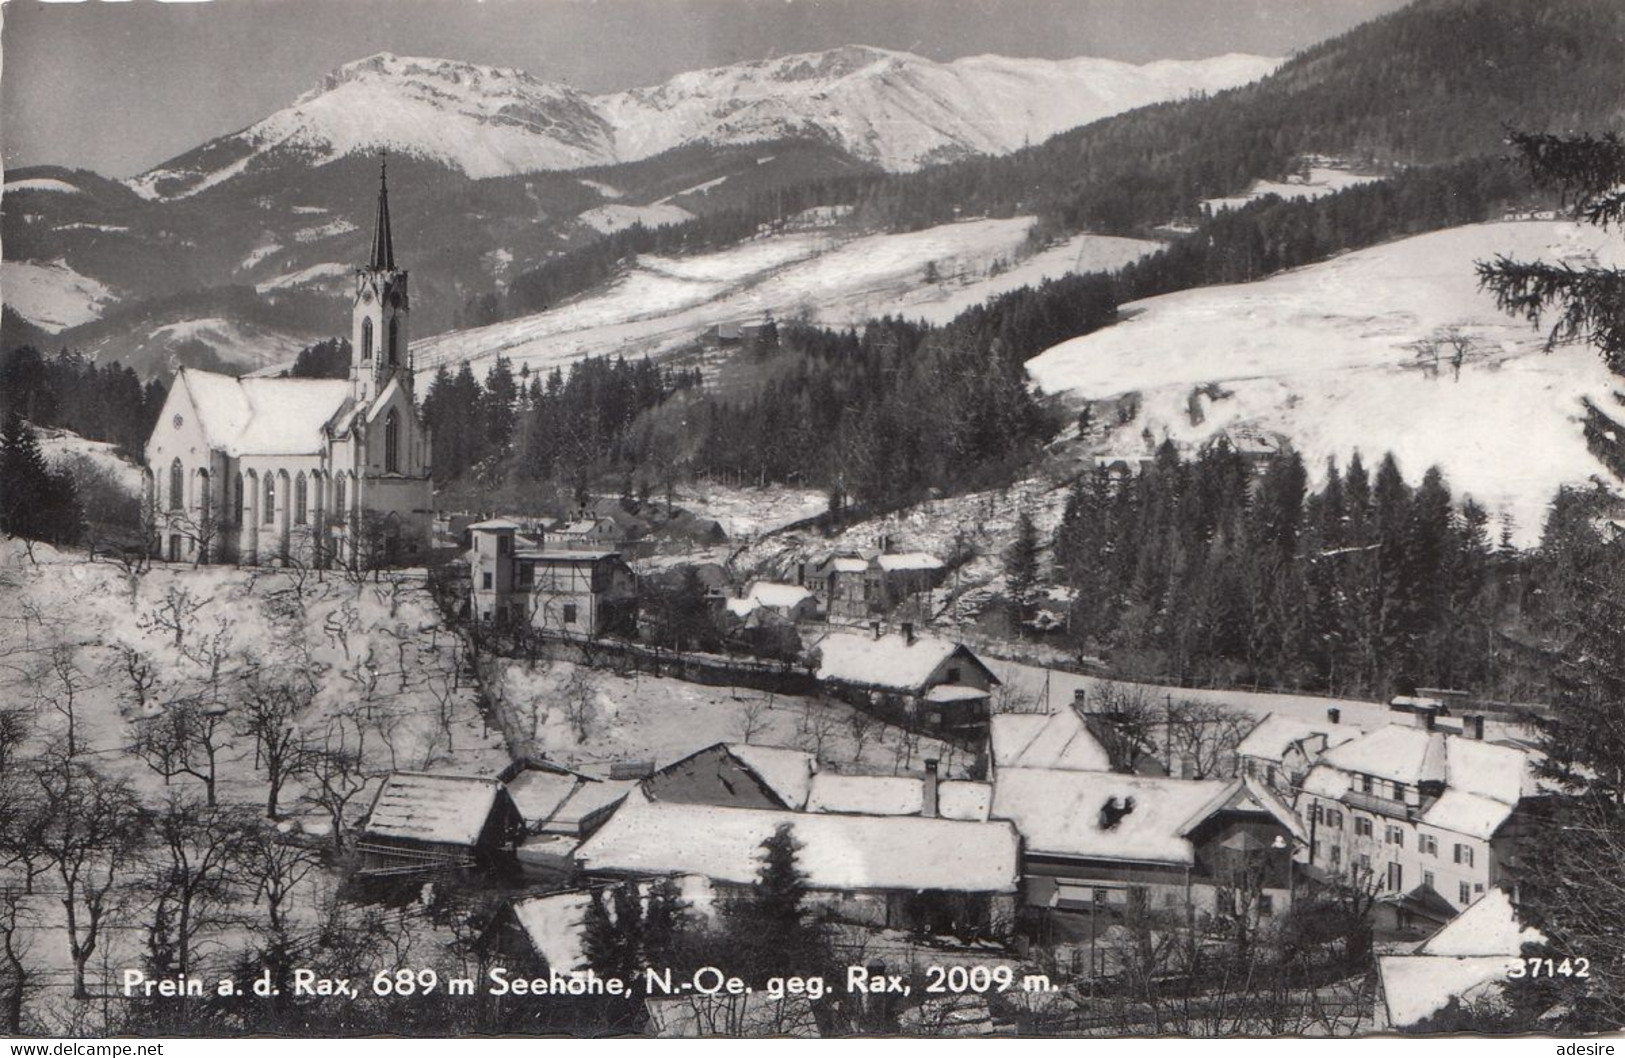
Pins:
x,y
239,484
338,498
392,442
177,486
270,499
366,338
301,499
394,341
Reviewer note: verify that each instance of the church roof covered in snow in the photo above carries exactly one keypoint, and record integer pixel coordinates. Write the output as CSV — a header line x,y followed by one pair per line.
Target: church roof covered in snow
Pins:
x,y
264,416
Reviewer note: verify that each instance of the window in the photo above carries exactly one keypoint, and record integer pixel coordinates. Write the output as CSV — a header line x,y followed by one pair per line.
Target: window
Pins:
x,y
394,341
1266,904
174,547
1396,877
239,503
1427,879
1363,862
485,581
270,499
300,499
1337,855
1393,835
1464,893
366,339
1464,854
392,441
1365,784
502,545
1334,819
1478,887
1362,827
1428,844
953,674
338,498
177,486
527,575
569,613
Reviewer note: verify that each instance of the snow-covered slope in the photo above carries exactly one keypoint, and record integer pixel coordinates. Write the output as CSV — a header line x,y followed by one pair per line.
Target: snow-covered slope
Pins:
x,y
51,295
891,108
1338,357
827,277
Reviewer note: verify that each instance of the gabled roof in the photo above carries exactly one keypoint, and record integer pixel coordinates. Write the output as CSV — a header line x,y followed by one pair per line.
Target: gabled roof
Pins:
x,y
538,793
788,773
442,809
495,525
838,852
908,560
873,795
1397,752
553,922
1058,740
889,662
589,798
263,416
1246,794
1273,736
778,596
1489,926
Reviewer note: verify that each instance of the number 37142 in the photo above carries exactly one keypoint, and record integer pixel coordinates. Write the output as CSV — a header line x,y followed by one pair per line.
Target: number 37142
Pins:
x,y
1550,968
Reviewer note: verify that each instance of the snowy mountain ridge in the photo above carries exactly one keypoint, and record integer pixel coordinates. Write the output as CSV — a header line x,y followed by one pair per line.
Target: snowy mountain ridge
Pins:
x,y
894,109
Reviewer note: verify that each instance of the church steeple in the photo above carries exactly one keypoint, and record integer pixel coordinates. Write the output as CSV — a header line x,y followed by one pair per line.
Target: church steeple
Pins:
x,y
383,247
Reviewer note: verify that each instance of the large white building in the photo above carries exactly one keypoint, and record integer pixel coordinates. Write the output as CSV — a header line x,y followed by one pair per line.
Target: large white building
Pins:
x,y
1401,808
261,470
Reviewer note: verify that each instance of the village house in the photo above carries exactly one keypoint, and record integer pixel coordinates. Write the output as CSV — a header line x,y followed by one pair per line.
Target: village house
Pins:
x,y
902,872
587,593
1060,740
937,680
855,585
424,822
552,924
765,602
841,584
585,532
1408,808
738,775
925,795
1463,964
1281,749
1101,842
559,807
268,470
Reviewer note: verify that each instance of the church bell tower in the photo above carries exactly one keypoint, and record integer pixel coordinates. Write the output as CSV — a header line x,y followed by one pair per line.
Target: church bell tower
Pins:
x,y
380,319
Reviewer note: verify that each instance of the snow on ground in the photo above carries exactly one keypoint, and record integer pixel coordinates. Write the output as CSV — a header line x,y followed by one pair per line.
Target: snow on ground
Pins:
x,y
240,344
1327,355
324,231
602,188
663,303
64,446
616,216
258,254
41,183
746,512
641,717
51,295
315,275
1322,180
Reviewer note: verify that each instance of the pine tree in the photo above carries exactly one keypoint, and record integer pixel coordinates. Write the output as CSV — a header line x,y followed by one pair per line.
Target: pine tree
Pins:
x,y
34,502
1021,569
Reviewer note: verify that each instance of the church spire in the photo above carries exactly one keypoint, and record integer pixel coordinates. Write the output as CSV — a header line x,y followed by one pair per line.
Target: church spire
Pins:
x,y
383,248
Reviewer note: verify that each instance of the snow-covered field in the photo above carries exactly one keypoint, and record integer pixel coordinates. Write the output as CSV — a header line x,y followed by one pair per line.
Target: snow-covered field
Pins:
x,y
1322,180
616,216
745,512
64,446
240,344
663,303
1339,357
659,719
316,275
51,295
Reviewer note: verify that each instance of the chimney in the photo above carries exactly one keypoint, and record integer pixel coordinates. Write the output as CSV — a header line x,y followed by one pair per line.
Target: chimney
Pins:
x,y
908,632
1474,727
928,807
1426,719
874,627
1334,716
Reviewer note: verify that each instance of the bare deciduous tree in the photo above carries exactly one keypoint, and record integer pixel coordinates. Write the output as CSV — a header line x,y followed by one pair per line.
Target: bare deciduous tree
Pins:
x,y
336,777
269,714
172,615
194,877
184,737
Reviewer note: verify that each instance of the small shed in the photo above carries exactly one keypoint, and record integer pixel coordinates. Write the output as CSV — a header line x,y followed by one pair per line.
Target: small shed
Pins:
x,y
438,822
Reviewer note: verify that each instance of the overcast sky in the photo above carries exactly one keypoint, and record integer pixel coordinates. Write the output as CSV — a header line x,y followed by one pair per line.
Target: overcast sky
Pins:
x,y
119,87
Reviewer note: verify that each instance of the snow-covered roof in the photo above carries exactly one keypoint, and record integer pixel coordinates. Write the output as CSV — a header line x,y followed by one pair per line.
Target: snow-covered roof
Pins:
x,y
1489,926
946,693
1415,987
846,564
1466,958
1046,740
778,596
890,661
787,772
580,527
553,921
1505,773
1397,752
873,795
1059,812
444,809
1467,813
840,852
588,798
909,560
495,524
741,607
962,799
264,416
1277,732
538,793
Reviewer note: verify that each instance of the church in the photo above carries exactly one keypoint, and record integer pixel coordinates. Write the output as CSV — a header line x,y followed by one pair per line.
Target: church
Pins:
x,y
268,471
